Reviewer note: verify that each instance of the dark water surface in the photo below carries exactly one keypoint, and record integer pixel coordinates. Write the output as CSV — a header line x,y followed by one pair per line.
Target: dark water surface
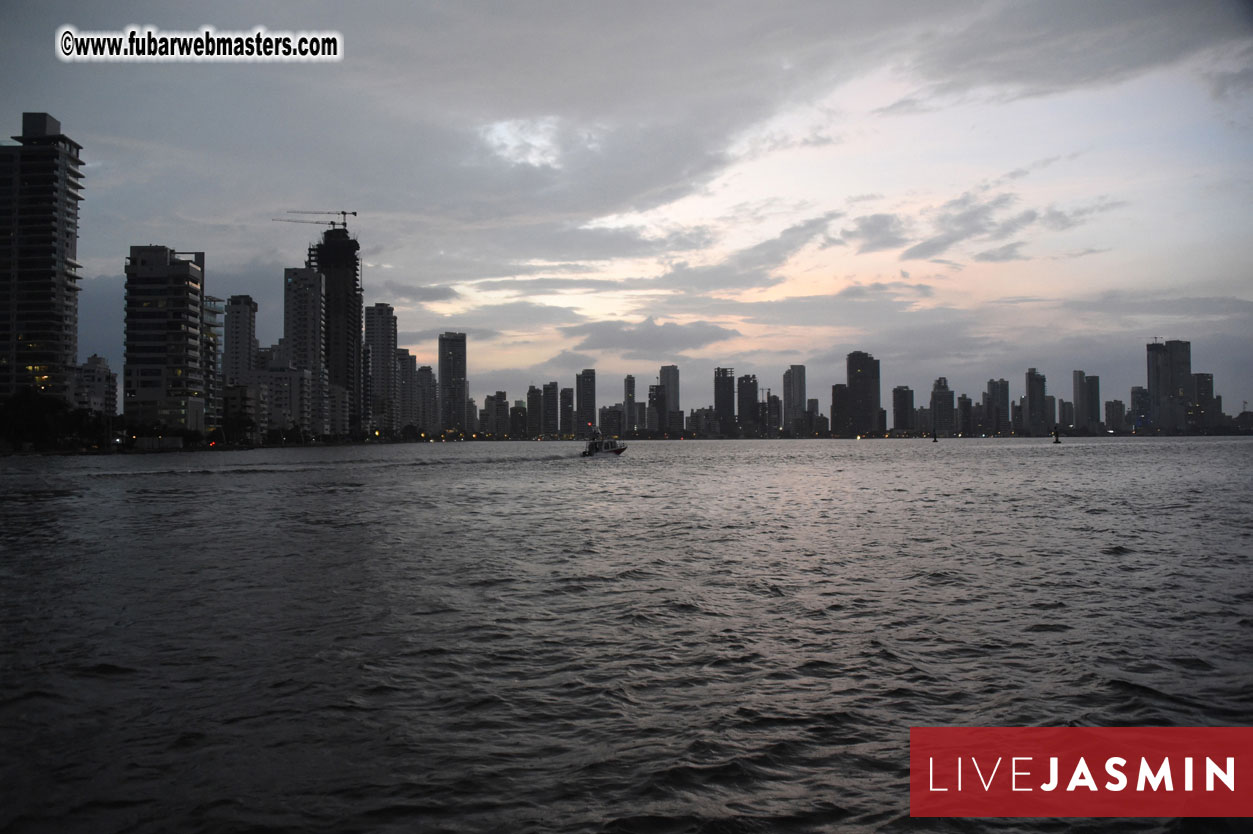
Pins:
x,y
699,636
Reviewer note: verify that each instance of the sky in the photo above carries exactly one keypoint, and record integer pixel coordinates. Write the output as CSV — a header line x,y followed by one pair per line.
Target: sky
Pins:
x,y
962,189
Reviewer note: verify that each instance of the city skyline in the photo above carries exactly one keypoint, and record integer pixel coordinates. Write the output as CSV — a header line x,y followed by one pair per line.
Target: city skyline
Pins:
x,y
754,189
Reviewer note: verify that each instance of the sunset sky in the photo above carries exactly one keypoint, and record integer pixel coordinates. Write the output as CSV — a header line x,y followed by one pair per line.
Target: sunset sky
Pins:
x,y
963,189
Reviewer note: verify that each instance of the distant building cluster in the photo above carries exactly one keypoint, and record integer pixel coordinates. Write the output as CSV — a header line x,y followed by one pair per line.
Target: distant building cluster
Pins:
x,y
193,367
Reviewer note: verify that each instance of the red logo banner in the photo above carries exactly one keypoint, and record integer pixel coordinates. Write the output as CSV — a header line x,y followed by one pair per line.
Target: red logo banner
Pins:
x,y
1081,771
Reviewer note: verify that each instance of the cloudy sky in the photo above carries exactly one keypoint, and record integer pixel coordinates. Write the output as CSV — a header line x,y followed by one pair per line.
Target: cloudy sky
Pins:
x,y
963,189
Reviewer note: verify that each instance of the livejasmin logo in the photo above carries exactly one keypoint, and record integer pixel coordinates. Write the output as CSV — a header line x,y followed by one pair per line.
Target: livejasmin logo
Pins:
x,y
1081,777
1081,771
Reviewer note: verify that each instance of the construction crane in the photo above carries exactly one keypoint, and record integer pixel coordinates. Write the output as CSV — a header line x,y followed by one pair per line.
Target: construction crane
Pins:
x,y
331,223
343,216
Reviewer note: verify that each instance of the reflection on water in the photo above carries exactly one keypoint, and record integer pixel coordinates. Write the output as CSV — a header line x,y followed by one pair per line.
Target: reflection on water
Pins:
x,y
698,636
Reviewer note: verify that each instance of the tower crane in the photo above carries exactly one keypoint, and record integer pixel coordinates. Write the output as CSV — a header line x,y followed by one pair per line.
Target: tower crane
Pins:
x,y
331,223
343,216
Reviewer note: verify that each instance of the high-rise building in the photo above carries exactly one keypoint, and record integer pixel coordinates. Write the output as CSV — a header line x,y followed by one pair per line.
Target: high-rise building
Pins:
x,y
164,374
336,257
943,418
211,360
239,354
746,404
965,416
95,387
406,389
427,401
495,415
585,392
40,190
304,339
794,400
567,412
1170,378
1087,404
518,414
841,411
773,419
1115,415
550,422
669,377
454,388
903,408
1080,392
656,408
1091,403
1140,408
996,412
380,336
534,411
863,391
629,421
724,400
1035,416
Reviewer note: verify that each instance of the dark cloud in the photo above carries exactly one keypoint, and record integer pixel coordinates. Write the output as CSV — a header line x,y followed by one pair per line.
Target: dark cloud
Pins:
x,y
1082,253
1029,49
1001,254
1062,219
419,294
487,322
527,286
647,338
751,267
877,232
958,220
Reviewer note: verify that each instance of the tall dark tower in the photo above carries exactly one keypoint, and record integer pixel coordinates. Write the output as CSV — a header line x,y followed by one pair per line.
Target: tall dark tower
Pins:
x,y
336,257
863,392
454,389
746,388
39,195
585,393
724,400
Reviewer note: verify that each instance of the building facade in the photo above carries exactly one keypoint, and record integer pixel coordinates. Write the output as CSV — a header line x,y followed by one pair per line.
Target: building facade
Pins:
x,y
164,373
40,189
454,388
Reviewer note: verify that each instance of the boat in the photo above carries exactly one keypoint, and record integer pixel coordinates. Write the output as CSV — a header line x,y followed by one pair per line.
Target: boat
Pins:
x,y
598,444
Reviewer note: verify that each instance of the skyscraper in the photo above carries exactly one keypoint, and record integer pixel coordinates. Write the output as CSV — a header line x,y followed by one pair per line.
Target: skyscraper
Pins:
x,y
629,422
585,393
164,375
996,406
336,257
380,336
39,196
534,411
304,338
863,391
454,388
550,422
724,400
1092,403
406,389
567,412
239,354
794,400
427,401
903,408
1035,416
746,389
943,417
1169,377
1080,392
669,377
